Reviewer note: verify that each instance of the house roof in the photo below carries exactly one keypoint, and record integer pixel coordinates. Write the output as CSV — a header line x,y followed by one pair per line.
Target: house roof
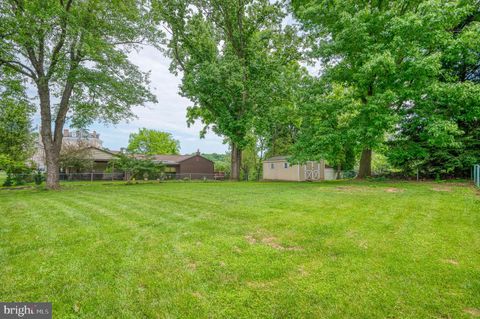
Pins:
x,y
102,150
166,159
171,159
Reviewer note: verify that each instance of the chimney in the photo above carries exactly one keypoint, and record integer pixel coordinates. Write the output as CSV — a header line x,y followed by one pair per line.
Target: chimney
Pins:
x,y
65,132
198,151
94,134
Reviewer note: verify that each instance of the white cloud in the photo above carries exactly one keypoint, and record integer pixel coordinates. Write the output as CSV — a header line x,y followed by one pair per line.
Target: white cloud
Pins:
x,y
169,114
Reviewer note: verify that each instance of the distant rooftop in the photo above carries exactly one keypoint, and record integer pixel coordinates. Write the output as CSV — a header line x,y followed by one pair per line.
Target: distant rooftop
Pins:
x,y
167,159
80,134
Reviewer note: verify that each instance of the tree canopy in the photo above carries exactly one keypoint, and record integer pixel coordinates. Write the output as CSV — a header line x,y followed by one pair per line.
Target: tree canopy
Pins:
x,y
151,142
235,58
75,53
385,69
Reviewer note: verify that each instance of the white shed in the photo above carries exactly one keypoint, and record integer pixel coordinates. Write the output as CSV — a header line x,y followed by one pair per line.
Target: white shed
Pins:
x,y
278,168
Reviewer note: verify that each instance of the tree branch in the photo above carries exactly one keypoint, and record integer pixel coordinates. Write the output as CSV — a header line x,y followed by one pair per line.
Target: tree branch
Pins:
x,y
19,67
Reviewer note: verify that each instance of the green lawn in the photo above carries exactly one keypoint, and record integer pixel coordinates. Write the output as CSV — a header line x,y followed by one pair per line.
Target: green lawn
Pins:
x,y
244,250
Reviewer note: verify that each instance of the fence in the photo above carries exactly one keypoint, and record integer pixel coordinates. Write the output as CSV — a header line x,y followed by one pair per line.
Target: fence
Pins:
x,y
193,176
22,179
125,176
476,175
92,177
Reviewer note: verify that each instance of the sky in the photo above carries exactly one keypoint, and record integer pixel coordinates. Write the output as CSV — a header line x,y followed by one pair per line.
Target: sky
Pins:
x,y
168,114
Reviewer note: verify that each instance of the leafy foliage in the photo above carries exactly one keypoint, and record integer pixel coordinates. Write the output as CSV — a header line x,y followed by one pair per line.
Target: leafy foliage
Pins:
x,y
235,57
221,162
151,142
16,138
137,167
75,157
407,73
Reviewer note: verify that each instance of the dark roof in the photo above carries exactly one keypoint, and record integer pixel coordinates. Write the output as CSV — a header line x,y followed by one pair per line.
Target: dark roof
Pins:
x,y
277,158
166,159
284,158
171,159
102,150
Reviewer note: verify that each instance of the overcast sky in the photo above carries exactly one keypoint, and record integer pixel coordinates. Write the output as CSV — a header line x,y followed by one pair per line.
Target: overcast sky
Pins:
x,y
169,114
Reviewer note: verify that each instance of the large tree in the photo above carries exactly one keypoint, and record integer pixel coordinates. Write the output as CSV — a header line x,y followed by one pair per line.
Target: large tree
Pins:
x,y
151,142
439,133
75,55
230,53
383,53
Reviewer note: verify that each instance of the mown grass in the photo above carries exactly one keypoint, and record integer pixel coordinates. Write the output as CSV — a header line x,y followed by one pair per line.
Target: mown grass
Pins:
x,y
244,250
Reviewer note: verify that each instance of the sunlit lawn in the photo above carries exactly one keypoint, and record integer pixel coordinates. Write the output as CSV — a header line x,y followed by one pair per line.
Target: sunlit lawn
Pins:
x,y
244,250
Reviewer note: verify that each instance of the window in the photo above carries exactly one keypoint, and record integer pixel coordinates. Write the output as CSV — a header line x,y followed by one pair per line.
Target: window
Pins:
x,y
272,166
170,169
285,165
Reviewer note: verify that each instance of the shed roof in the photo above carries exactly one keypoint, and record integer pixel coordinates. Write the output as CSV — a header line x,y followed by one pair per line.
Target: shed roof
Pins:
x,y
277,159
283,159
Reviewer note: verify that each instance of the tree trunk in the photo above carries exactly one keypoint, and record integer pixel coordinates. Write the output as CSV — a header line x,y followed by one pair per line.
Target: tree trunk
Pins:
x,y
53,167
236,162
365,169
52,141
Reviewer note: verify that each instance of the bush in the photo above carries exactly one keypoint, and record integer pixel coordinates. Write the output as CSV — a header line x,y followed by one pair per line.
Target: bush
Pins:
x,y
8,181
38,178
19,179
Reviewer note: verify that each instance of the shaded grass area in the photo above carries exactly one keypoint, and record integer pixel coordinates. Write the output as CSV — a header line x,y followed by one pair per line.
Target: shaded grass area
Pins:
x,y
244,250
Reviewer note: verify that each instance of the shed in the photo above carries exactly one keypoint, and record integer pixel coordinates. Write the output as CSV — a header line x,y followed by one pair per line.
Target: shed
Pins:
x,y
278,168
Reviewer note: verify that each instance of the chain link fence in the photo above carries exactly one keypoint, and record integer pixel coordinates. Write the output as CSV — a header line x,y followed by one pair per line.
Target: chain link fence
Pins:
x,y
476,175
126,176
39,177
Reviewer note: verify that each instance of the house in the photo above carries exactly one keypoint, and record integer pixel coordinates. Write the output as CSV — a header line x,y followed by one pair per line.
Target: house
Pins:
x,y
185,166
176,166
278,168
80,138
193,166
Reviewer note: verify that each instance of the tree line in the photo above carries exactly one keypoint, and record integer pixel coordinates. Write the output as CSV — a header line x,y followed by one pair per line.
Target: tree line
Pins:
x,y
337,80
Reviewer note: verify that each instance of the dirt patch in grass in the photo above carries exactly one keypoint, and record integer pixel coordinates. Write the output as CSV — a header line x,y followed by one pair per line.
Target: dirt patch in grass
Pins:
x,y
269,241
394,190
302,271
352,189
192,266
451,262
258,284
441,189
472,311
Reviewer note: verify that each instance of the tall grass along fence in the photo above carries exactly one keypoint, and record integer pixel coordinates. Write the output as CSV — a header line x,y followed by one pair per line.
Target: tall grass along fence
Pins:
x,y
476,175
39,177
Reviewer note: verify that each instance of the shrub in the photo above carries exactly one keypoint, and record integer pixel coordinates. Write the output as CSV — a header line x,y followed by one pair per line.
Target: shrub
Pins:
x,y
38,178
